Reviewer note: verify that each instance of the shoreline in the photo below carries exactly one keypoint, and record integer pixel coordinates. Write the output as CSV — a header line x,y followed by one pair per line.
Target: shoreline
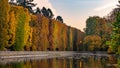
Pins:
x,y
18,56
26,54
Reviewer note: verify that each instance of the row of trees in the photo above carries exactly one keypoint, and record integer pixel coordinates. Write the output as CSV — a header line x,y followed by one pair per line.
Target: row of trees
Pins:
x,y
29,4
20,30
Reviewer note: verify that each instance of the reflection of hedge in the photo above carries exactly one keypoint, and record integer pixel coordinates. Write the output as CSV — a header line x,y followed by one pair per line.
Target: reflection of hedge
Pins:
x,y
24,31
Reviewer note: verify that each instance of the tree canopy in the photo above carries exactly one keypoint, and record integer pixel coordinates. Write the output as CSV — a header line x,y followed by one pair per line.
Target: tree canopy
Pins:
x,y
59,18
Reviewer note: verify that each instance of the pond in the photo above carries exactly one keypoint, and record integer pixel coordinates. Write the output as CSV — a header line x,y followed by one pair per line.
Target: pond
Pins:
x,y
75,61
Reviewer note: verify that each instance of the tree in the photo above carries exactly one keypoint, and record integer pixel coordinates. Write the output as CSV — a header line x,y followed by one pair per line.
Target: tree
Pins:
x,y
38,11
45,12
115,37
114,43
59,18
27,4
91,25
92,42
50,13
4,18
99,26
11,1
22,28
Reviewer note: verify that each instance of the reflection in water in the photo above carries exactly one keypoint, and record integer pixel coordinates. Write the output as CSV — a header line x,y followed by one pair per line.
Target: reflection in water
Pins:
x,y
67,62
118,62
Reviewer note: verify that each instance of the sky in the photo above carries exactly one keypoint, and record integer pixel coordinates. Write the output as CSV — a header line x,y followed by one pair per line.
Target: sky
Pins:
x,y
75,12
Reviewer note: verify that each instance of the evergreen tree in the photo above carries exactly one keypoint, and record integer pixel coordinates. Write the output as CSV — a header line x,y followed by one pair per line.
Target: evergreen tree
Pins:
x,y
27,4
59,18
38,11
45,12
50,13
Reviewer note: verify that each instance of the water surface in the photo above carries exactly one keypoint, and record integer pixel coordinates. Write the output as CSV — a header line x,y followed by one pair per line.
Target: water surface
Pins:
x,y
75,61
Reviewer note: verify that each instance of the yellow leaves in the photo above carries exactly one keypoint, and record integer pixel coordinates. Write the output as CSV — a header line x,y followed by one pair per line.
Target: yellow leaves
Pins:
x,y
4,18
92,41
19,27
4,9
12,27
50,34
24,31
110,50
28,36
33,21
40,32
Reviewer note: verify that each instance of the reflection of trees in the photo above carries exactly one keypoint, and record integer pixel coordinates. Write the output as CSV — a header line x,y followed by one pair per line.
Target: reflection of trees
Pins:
x,y
112,59
74,63
83,62
118,63
17,65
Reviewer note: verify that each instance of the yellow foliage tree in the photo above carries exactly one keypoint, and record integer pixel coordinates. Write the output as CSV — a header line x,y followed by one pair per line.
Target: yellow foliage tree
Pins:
x,y
92,42
12,27
4,18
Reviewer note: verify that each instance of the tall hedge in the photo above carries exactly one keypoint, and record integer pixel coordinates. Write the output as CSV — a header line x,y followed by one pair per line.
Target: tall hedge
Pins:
x,y
20,30
22,19
4,18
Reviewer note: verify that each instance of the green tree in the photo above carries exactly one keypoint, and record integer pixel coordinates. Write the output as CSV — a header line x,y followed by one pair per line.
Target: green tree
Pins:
x,y
115,37
114,42
91,25
99,26
22,27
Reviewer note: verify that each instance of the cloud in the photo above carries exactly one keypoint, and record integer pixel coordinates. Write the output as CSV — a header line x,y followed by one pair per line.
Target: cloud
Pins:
x,y
105,7
45,3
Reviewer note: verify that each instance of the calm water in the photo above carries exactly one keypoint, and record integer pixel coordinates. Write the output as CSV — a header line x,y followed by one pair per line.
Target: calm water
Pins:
x,y
64,62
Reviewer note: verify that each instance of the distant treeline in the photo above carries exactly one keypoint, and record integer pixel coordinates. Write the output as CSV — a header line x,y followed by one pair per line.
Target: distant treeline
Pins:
x,y
20,30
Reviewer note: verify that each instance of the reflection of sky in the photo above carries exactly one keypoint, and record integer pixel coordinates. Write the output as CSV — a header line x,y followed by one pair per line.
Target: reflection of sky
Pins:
x,y
75,12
